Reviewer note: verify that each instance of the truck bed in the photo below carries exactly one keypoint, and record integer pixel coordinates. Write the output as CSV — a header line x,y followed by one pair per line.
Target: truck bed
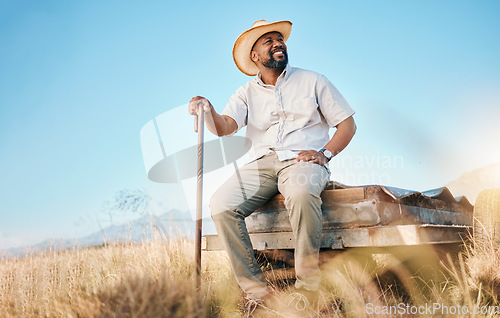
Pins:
x,y
366,216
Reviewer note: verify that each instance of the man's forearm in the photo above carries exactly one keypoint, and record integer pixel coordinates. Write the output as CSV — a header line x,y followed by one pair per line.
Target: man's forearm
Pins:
x,y
342,137
219,125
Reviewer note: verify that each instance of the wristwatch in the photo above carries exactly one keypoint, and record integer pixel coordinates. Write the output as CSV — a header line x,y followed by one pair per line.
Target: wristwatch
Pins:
x,y
327,153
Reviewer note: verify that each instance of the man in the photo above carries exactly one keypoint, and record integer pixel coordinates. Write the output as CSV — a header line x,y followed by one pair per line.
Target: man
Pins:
x,y
288,113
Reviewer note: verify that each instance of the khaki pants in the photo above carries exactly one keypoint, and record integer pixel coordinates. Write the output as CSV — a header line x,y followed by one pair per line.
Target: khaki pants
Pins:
x,y
301,184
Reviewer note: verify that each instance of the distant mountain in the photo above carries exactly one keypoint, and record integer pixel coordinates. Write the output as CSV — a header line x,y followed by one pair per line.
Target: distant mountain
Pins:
x,y
475,181
173,224
143,229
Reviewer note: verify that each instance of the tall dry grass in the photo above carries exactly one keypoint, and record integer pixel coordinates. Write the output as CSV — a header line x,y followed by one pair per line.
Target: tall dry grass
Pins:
x,y
124,280
156,279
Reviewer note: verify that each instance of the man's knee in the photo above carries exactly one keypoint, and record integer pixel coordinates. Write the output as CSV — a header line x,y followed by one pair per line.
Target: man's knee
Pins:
x,y
221,206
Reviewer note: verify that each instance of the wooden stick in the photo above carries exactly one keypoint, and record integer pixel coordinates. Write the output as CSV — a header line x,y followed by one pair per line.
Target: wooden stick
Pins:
x,y
199,122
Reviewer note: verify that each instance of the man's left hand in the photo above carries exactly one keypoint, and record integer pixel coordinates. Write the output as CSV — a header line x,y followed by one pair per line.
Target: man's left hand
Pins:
x,y
312,156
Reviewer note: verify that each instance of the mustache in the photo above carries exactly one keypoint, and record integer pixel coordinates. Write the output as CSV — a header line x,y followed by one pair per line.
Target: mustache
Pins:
x,y
278,49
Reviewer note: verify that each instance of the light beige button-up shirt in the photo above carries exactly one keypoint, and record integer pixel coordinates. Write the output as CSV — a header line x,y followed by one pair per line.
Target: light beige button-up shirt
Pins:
x,y
295,114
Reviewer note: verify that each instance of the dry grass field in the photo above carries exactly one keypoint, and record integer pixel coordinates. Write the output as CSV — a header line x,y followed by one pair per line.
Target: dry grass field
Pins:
x,y
156,279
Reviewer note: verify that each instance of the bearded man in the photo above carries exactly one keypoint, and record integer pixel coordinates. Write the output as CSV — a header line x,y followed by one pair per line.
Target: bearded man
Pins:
x,y
288,113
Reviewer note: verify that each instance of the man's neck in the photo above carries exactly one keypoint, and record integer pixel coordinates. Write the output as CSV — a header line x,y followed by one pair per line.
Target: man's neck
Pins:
x,y
270,75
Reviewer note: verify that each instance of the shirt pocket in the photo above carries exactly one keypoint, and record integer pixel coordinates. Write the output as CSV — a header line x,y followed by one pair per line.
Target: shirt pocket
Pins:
x,y
264,116
304,112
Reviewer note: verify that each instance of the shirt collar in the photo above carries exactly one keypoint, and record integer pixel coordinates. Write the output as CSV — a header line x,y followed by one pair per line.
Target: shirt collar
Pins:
x,y
287,71
286,74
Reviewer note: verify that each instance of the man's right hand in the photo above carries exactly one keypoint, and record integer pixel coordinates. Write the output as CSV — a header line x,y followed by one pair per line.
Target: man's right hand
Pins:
x,y
220,125
196,102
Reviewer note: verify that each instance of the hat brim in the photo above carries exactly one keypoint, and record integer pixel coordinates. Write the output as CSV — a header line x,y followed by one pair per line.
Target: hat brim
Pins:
x,y
244,43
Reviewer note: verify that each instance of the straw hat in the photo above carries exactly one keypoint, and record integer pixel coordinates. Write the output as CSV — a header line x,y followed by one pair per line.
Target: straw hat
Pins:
x,y
244,43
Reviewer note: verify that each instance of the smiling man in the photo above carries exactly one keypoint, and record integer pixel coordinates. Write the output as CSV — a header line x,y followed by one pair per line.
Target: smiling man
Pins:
x,y
288,113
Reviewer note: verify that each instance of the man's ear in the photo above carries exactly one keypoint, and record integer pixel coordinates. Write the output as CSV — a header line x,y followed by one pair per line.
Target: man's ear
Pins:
x,y
253,56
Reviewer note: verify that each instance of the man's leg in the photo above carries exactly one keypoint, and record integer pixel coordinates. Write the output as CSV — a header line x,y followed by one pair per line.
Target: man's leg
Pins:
x,y
301,183
237,198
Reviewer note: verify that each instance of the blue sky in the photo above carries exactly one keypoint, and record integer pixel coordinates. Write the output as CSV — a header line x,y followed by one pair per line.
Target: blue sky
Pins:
x,y
78,80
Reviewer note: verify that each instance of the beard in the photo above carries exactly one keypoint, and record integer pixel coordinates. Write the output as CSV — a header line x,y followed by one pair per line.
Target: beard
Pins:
x,y
277,65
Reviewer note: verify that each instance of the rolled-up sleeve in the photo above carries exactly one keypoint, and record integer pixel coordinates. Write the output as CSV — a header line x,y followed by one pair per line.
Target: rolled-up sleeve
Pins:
x,y
332,104
237,108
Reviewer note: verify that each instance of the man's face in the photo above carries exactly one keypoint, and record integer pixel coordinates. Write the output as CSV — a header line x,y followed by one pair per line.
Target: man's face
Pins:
x,y
270,51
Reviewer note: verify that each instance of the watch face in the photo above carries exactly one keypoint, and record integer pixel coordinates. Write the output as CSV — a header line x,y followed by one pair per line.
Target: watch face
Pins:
x,y
327,153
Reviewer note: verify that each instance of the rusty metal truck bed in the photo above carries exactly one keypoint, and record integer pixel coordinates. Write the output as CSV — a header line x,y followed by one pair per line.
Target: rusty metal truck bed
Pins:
x,y
366,216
